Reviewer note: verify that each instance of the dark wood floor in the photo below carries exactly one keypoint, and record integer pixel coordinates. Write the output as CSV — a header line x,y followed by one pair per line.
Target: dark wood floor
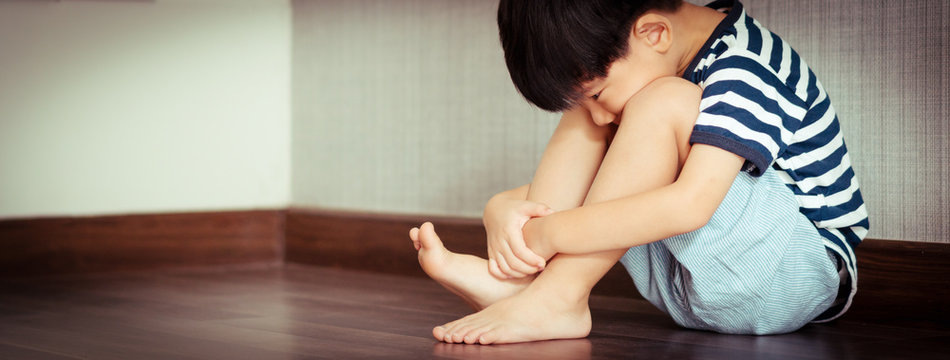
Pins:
x,y
304,312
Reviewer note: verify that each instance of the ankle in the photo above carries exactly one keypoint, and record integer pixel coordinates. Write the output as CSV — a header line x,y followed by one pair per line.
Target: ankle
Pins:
x,y
561,296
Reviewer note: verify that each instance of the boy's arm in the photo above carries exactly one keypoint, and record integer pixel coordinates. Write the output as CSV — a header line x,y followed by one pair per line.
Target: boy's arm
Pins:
x,y
683,206
518,193
562,180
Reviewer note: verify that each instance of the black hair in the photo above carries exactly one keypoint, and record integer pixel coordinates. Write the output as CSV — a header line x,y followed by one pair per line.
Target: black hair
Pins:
x,y
553,46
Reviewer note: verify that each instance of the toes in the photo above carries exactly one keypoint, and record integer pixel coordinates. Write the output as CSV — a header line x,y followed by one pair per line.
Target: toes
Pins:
x,y
474,336
488,337
414,236
454,333
428,238
438,333
427,227
444,332
457,338
460,335
470,330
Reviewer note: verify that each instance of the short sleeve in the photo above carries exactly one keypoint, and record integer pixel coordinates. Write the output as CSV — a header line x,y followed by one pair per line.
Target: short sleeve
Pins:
x,y
747,110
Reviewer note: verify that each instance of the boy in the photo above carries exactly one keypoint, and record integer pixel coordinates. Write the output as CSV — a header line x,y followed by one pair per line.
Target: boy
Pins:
x,y
732,204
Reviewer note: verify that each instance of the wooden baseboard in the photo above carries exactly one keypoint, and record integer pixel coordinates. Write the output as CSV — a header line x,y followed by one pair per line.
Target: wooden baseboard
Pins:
x,y
138,242
903,283
380,243
900,282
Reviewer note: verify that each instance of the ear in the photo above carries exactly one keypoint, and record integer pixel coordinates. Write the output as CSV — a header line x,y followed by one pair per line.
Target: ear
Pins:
x,y
655,30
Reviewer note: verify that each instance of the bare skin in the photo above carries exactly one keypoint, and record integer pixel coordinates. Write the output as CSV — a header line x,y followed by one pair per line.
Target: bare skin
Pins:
x,y
531,315
467,276
653,132
464,275
555,304
579,349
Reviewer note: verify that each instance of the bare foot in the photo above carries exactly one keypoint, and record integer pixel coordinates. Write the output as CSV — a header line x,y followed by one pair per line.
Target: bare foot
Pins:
x,y
527,316
465,275
574,349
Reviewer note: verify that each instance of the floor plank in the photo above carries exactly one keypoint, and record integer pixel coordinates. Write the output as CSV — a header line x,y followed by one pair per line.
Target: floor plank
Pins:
x,y
301,312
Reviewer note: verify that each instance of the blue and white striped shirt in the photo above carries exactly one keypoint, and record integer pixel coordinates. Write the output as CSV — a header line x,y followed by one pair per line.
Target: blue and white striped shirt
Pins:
x,y
762,102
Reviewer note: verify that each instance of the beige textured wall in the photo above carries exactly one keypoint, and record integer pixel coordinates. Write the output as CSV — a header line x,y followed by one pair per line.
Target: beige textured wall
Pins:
x,y
885,65
405,105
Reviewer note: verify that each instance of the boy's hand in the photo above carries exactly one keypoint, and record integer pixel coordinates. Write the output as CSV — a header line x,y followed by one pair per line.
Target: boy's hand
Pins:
x,y
508,256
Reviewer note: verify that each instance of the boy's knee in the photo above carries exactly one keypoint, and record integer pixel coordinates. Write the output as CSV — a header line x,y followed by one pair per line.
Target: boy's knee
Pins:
x,y
672,101
665,108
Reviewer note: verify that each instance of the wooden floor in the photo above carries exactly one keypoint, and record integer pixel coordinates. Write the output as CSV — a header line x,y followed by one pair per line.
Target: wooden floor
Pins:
x,y
303,312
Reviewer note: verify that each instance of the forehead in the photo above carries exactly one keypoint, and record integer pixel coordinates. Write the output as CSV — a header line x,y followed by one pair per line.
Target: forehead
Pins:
x,y
592,85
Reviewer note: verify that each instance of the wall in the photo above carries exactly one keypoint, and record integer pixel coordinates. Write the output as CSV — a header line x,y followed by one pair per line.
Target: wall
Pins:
x,y
405,106
399,106
884,64
143,106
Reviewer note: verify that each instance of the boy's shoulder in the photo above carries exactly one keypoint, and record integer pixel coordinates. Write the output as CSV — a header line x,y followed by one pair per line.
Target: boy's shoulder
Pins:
x,y
741,44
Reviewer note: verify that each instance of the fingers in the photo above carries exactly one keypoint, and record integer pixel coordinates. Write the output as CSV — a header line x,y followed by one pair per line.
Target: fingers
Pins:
x,y
494,270
500,266
508,255
519,267
507,264
523,253
519,248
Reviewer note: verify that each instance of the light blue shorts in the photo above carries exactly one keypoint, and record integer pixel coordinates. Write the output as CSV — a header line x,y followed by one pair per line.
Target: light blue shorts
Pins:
x,y
758,267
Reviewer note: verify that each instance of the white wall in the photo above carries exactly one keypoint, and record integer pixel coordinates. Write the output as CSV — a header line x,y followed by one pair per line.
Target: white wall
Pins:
x,y
137,106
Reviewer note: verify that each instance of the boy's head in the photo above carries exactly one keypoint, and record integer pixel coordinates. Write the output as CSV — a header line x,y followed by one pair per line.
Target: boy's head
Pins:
x,y
552,47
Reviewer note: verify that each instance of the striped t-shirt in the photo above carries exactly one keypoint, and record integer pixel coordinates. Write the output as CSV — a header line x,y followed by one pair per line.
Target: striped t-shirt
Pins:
x,y
762,102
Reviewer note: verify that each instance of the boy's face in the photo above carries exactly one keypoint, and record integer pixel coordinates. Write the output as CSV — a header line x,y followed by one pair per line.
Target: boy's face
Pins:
x,y
607,96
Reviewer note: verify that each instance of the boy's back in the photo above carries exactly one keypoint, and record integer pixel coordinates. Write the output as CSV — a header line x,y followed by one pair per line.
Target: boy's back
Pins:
x,y
762,102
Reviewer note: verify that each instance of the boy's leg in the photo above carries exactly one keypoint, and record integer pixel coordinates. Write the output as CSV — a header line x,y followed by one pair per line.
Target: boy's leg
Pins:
x,y
759,266
464,275
562,181
650,145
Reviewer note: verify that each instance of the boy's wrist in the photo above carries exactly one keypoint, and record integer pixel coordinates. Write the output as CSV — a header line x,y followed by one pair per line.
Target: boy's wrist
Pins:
x,y
492,203
537,239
